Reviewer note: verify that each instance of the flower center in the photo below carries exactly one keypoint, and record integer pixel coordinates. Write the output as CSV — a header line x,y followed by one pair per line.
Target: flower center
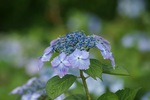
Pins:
x,y
78,58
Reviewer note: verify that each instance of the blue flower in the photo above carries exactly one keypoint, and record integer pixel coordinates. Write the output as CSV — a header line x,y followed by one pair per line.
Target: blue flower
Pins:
x,y
61,64
79,59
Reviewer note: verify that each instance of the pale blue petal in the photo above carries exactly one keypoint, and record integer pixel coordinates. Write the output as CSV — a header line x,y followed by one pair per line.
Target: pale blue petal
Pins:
x,y
31,81
48,50
101,39
35,96
54,41
84,64
73,61
62,56
18,90
55,62
66,63
80,60
105,53
75,64
84,54
26,97
77,52
61,70
100,46
112,61
46,57
40,63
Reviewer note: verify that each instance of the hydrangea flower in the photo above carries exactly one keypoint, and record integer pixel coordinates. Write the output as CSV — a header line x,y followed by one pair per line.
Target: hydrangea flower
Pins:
x,y
32,90
61,64
104,46
74,52
47,53
79,59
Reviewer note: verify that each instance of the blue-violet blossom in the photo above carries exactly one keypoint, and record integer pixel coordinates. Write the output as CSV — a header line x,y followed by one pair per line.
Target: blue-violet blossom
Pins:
x,y
61,64
74,52
79,59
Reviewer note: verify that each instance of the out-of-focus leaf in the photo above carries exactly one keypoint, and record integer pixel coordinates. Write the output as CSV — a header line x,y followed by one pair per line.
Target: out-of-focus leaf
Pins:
x,y
108,69
76,97
108,96
95,69
127,94
56,86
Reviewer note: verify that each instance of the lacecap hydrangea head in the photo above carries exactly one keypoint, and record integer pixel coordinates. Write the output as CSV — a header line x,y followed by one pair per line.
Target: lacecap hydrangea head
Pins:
x,y
73,49
32,90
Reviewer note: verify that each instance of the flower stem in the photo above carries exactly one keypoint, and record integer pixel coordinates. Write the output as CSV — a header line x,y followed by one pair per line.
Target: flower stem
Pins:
x,y
85,85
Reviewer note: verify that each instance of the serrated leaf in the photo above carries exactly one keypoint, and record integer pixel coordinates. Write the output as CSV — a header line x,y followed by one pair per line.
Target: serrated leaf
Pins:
x,y
76,97
56,86
95,69
108,69
127,94
108,96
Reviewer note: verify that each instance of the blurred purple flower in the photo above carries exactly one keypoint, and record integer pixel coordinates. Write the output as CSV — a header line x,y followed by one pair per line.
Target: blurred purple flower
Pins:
x,y
104,46
79,59
17,90
32,90
61,64
26,97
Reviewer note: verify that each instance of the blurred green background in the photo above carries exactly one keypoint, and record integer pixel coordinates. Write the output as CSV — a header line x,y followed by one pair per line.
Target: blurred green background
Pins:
x,y
27,27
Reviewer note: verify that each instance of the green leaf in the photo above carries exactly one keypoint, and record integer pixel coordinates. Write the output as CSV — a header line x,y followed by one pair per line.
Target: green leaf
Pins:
x,y
108,69
108,96
127,94
95,69
76,97
56,86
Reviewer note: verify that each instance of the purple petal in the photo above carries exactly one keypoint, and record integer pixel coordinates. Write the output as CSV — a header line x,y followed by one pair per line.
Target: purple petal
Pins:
x,y
18,90
26,97
31,81
79,59
62,56
55,62
46,57
84,54
105,50
61,70
48,50
35,95
112,61
54,41
40,63
84,64
104,46
77,52
100,46
66,63
101,39
73,61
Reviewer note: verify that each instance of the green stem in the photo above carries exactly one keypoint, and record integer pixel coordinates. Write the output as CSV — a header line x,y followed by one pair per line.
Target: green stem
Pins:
x,y
85,85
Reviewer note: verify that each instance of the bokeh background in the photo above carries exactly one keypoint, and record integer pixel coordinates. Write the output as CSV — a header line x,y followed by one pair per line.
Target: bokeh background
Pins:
x,y
27,27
